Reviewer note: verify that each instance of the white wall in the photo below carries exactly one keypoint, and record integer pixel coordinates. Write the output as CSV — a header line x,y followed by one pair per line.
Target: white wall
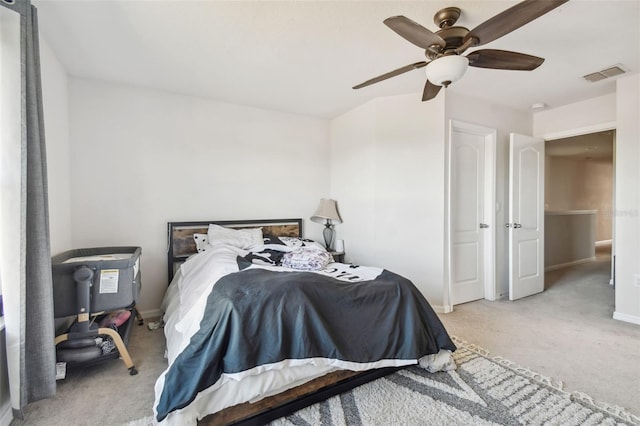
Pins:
x,y
387,174
504,120
627,195
575,183
353,171
569,238
577,118
55,98
141,158
619,110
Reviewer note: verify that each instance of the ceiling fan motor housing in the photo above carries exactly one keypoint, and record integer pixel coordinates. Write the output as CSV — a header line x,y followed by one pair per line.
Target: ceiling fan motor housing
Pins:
x,y
453,37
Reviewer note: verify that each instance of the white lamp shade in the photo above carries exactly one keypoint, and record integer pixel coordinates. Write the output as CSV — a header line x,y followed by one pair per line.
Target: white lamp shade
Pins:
x,y
327,209
446,69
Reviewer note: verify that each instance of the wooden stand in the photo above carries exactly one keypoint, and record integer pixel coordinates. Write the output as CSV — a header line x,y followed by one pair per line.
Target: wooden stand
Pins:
x,y
115,336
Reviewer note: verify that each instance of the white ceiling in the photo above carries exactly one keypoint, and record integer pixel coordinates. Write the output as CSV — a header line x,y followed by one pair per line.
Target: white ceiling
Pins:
x,y
304,56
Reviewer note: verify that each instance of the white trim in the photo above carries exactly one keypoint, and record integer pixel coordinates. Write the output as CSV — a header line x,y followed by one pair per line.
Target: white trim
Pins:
x,y
446,288
565,265
490,137
600,127
568,212
490,289
626,318
442,309
151,314
603,243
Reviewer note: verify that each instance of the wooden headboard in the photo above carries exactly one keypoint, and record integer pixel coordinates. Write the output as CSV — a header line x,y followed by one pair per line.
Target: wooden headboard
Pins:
x,y
182,245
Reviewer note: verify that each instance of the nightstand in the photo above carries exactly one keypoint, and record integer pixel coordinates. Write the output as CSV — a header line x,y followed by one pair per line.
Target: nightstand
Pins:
x,y
338,256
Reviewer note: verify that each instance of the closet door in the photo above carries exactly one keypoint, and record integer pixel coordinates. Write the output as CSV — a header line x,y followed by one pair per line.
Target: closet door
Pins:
x,y
472,201
526,216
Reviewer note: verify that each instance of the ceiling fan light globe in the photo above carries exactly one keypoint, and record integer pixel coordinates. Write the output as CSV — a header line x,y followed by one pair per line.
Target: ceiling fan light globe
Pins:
x,y
447,69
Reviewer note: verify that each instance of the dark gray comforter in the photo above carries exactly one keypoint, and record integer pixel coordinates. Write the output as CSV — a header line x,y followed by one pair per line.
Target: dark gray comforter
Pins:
x,y
257,316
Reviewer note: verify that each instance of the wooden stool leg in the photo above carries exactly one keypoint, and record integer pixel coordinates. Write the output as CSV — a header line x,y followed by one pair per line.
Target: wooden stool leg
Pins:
x,y
61,338
124,353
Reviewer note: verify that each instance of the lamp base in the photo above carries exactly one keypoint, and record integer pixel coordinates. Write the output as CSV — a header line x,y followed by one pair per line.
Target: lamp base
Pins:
x,y
327,233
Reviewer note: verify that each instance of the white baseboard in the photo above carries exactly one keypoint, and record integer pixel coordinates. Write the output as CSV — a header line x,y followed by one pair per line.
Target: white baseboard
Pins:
x,y
626,318
153,313
6,416
440,309
564,265
604,243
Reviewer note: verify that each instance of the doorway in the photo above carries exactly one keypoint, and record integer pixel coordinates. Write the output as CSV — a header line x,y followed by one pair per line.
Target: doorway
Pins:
x,y
579,200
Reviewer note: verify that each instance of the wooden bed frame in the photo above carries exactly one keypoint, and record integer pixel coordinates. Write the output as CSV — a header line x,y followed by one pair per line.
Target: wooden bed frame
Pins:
x,y
288,402
181,246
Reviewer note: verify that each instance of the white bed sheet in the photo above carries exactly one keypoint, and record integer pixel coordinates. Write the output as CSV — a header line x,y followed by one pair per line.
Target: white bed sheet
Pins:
x,y
184,305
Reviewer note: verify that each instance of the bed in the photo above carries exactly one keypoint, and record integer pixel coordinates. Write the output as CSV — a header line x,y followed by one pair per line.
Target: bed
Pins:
x,y
261,322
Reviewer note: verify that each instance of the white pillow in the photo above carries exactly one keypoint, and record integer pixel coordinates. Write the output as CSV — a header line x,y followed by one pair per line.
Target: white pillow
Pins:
x,y
202,241
302,242
241,238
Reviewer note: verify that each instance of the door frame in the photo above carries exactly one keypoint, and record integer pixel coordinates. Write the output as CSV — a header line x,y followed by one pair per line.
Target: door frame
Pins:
x,y
579,131
490,137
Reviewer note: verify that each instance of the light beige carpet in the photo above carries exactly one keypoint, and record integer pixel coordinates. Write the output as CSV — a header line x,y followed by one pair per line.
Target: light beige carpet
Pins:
x,y
105,394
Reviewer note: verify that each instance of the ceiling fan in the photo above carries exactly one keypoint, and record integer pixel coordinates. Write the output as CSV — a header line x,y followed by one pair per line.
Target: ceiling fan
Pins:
x,y
444,48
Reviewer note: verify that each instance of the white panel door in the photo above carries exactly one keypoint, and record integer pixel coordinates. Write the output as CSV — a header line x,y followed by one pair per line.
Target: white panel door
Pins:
x,y
467,216
526,216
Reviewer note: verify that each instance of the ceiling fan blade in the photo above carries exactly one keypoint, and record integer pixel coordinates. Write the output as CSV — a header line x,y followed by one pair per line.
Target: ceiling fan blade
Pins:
x,y
511,19
391,74
430,91
503,60
414,32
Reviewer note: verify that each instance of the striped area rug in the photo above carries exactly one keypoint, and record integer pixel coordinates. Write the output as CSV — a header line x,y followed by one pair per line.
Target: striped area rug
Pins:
x,y
481,391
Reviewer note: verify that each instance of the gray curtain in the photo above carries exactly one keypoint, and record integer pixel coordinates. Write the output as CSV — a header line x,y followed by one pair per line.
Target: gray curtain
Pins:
x,y
36,349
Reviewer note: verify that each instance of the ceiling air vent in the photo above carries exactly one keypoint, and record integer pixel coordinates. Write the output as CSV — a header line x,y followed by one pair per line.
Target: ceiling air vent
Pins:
x,y
612,71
